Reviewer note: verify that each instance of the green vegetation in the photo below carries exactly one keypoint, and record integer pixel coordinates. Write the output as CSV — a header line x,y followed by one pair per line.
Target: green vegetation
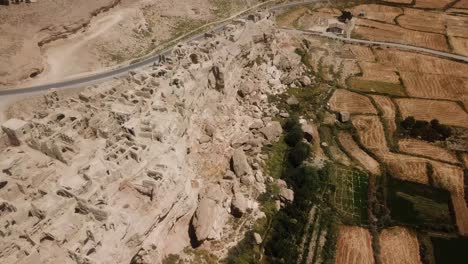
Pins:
x,y
451,251
429,131
420,205
377,87
275,163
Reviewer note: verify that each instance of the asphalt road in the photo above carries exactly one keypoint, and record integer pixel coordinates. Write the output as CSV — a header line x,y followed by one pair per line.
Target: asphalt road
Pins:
x,y
383,44
106,75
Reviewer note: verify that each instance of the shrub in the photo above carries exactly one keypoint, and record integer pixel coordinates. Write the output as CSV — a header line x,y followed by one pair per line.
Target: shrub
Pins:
x,y
429,131
299,153
294,136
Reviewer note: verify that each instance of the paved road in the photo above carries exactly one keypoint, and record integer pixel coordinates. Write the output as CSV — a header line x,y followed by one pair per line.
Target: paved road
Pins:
x,y
383,44
106,75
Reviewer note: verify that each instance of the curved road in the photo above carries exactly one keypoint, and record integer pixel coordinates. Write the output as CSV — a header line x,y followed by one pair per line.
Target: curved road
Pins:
x,y
102,76
94,78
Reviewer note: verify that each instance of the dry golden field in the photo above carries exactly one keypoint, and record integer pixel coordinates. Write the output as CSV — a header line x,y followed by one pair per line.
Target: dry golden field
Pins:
x,y
423,148
460,45
380,13
378,31
405,167
366,161
461,213
449,113
462,4
362,53
354,246
398,245
399,1
448,177
378,72
421,20
344,100
432,3
371,132
388,109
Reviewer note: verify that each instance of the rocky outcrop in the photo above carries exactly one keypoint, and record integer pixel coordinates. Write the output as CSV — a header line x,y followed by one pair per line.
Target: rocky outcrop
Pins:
x,y
216,78
239,164
272,131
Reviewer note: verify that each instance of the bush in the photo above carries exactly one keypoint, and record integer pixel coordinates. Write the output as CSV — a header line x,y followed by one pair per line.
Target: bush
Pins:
x,y
429,131
299,153
294,136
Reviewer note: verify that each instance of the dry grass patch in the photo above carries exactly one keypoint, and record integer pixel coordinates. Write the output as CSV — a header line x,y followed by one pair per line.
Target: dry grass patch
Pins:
x,y
449,113
362,53
457,25
379,72
371,132
290,17
354,246
423,148
350,146
413,62
434,86
461,214
398,245
388,108
448,177
344,100
377,31
406,168
349,68
382,87
381,13
432,3
460,45
422,20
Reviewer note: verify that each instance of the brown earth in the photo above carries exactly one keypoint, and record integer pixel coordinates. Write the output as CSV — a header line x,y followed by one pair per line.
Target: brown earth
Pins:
x,y
465,159
433,86
388,108
399,1
378,72
461,213
380,13
362,53
460,45
350,146
399,245
354,246
432,3
405,167
423,148
413,62
344,100
449,113
371,132
456,26
376,31
462,4
448,177
423,20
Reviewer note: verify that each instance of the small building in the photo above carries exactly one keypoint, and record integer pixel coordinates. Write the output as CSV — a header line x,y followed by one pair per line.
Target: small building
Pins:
x,y
16,129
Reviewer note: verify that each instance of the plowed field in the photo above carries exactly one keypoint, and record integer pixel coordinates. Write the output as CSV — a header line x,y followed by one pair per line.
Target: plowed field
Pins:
x,y
449,113
348,143
354,246
448,177
371,133
378,31
344,100
423,148
399,246
389,112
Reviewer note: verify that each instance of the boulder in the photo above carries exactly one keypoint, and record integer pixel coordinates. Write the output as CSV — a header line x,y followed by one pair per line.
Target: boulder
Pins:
x,y
247,179
207,221
292,100
287,195
272,131
239,163
258,238
238,204
305,81
216,78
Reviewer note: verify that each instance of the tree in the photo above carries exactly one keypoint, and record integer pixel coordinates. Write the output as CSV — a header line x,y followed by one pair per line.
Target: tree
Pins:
x,y
408,123
299,153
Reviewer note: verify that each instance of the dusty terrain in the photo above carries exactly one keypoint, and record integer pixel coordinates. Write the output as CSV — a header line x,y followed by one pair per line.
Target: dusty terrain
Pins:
x,y
123,170
87,37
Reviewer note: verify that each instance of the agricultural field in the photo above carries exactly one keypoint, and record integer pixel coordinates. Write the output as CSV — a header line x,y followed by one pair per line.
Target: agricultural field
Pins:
x,y
354,246
411,187
399,245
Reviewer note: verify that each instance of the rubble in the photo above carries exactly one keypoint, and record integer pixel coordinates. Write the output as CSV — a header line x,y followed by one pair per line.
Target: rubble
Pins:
x,y
114,173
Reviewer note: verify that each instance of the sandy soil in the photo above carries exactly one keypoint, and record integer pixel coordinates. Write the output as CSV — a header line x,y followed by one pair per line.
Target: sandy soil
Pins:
x,y
130,29
399,246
